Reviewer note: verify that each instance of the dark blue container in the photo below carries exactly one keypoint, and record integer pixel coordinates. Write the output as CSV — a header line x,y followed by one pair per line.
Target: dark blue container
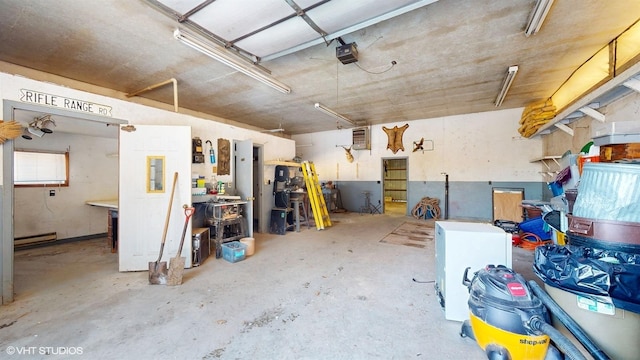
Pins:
x,y
556,188
536,226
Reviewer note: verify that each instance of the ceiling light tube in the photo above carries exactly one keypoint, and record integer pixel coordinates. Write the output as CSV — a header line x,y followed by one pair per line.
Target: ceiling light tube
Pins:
x,y
511,74
221,54
334,114
540,12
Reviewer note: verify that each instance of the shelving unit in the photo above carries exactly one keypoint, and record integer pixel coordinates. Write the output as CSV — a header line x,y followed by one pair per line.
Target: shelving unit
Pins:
x,y
551,163
623,84
283,163
395,180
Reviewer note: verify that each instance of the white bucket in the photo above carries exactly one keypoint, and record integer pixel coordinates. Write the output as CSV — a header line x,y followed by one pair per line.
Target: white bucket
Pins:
x,y
250,242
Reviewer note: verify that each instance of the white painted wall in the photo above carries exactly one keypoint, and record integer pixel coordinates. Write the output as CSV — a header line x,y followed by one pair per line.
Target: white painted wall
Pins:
x,y
473,147
625,109
93,175
95,172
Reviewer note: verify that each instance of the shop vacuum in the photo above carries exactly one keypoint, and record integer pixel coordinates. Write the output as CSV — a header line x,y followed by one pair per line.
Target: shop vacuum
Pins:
x,y
508,322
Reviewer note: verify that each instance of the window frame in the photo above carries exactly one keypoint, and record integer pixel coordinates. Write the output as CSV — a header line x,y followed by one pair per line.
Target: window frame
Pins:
x,y
43,184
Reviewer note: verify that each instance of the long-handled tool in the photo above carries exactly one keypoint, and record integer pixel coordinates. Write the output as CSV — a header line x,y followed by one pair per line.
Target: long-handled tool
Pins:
x,y
176,266
158,269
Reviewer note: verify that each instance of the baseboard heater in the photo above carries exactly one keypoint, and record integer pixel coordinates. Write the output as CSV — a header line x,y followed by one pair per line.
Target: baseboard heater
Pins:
x,y
35,239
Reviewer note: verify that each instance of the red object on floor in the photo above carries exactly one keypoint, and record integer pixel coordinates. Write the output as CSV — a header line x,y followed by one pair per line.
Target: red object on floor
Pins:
x,y
515,239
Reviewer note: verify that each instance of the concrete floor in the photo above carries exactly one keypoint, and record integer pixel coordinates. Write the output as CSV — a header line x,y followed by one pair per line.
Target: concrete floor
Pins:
x,y
395,208
338,293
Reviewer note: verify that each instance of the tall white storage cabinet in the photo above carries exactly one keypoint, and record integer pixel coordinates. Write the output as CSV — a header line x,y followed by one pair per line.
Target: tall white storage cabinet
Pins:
x,y
460,245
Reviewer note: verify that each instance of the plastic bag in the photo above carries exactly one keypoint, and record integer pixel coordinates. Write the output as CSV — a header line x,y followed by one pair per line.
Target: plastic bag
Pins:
x,y
592,271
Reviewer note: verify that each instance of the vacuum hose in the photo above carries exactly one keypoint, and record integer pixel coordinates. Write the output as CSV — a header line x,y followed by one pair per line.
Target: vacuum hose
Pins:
x,y
569,323
560,340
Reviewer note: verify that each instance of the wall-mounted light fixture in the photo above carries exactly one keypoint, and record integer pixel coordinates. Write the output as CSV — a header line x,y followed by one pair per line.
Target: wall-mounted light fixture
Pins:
x,y
537,17
41,125
334,114
26,135
511,74
221,54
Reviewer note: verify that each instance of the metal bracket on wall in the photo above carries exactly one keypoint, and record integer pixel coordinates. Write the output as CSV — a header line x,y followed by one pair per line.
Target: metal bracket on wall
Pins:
x,y
564,128
592,113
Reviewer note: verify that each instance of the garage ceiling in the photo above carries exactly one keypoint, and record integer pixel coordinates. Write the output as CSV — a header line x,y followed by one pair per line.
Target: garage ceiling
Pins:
x,y
416,59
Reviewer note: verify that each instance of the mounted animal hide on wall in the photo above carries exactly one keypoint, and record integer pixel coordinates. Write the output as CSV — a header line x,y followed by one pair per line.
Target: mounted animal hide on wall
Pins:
x,y
394,136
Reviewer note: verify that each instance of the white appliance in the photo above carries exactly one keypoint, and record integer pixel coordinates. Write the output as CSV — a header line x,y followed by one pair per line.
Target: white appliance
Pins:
x,y
460,245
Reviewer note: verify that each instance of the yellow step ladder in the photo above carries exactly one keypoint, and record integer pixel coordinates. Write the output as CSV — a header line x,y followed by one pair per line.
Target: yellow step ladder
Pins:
x,y
316,198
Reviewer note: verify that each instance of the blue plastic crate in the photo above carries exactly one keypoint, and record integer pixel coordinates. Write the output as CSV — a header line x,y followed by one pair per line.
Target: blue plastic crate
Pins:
x,y
536,226
234,251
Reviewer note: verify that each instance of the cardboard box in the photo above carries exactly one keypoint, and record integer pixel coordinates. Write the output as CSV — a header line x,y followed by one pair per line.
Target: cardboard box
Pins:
x,y
613,152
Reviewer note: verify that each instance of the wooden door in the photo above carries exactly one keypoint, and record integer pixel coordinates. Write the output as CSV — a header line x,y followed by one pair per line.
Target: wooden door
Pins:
x,y
142,206
243,173
507,204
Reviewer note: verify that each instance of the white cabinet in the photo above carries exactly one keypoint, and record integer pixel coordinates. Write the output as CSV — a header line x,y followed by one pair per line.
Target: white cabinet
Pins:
x,y
460,245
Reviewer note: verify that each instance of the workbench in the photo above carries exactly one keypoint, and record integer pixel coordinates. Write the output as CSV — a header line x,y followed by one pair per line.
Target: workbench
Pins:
x,y
112,220
225,219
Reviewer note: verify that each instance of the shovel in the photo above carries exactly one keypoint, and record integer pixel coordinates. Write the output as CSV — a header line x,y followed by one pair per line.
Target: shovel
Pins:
x,y
158,269
176,266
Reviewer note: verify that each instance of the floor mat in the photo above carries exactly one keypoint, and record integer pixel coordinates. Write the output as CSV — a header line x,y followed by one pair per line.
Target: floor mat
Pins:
x,y
410,234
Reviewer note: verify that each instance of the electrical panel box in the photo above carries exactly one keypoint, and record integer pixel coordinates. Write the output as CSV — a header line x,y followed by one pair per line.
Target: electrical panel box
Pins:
x,y
196,150
361,139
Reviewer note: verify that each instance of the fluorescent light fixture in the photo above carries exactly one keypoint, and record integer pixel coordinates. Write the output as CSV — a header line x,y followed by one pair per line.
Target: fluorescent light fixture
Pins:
x,y
279,129
334,114
538,15
273,130
511,74
591,73
221,54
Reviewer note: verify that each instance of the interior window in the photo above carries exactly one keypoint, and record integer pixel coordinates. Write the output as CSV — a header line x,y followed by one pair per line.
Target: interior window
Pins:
x,y
38,168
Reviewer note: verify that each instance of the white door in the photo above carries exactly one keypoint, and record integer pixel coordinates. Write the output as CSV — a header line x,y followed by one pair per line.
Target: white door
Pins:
x,y
143,199
243,160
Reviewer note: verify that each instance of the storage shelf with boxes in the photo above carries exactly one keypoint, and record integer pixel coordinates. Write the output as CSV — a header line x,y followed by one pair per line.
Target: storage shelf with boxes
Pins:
x,y
618,141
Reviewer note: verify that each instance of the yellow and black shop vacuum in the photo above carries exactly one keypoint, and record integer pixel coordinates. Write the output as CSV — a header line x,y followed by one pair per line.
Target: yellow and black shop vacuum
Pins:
x,y
508,322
